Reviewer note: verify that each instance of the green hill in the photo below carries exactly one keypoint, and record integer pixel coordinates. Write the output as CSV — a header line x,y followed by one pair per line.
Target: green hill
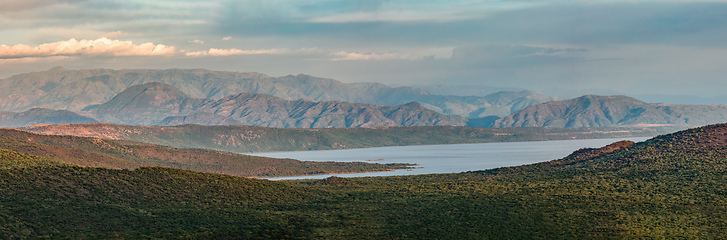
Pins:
x,y
669,187
15,160
60,201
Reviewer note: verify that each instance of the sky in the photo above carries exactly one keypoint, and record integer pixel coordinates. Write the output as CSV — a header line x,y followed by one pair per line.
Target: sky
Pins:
x,y
629,47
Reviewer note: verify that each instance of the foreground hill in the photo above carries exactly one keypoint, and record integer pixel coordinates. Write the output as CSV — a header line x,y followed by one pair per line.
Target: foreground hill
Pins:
x,y
161,104
604,111
74,90
261,139
43,198
669,187
40,115
94,152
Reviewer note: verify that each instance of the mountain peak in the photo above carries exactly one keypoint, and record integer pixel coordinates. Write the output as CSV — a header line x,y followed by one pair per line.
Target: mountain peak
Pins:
x,y
608,98
156,89
618,110
57,69
142,103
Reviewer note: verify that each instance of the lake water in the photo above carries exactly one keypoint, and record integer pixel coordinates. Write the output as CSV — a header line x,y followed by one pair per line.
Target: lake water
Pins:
x,y
452,158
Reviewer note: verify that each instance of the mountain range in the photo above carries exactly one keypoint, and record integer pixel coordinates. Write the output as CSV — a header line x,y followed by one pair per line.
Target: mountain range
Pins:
x,y
161,104
603,111
195,96
74,90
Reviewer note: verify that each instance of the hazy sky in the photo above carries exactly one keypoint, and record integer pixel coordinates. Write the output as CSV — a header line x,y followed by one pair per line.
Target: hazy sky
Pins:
x,y
671,47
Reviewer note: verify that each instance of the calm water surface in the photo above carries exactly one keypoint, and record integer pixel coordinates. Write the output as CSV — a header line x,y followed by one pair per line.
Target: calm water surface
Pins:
x,y
447,158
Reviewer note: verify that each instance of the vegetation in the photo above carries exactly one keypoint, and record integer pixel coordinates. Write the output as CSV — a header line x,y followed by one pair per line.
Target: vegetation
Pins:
x,y
672,186
260,139
94,152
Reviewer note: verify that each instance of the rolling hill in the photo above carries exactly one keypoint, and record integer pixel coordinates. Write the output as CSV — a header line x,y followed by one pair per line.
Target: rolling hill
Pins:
x,y
605,111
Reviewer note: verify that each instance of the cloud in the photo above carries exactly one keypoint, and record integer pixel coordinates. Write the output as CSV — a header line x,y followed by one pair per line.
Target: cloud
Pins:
x,y
353,56
112,34
235,51
73,47
226,38
422,11
22,5
501,52
197,41
393,16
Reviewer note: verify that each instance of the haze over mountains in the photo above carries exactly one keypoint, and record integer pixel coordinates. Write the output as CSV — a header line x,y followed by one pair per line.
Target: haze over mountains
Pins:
x,y
41,115
162,104
195,96
74,90
603,111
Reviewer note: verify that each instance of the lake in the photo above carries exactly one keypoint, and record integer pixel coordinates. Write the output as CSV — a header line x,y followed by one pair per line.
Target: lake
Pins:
x,y
452,158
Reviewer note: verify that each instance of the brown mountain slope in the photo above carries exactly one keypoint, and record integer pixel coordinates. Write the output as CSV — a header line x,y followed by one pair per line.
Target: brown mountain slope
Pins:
x,y
602,111
145,104
269,111
162,104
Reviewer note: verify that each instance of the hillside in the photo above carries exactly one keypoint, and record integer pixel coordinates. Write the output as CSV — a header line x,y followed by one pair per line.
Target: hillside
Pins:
x,y
94,152
40,115
161,104
669,187
49,199
73,90
607,111
261,139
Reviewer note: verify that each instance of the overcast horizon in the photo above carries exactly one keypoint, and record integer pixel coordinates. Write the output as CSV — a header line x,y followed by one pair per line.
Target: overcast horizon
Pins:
x,y
629,47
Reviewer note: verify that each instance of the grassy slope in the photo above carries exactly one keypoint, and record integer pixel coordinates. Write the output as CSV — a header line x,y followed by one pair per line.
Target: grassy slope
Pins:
x,y
94,152
672,186
59,201
260,139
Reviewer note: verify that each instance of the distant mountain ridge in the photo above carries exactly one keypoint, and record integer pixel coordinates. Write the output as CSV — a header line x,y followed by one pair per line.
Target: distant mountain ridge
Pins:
x,y
161,104
73,90
41,115
145,104
604,111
